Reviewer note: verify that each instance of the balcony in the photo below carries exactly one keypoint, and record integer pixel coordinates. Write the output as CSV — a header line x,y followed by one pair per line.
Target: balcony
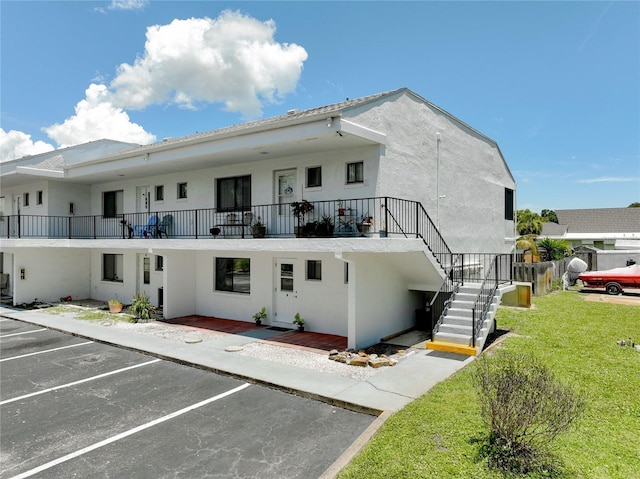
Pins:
x,y
362,217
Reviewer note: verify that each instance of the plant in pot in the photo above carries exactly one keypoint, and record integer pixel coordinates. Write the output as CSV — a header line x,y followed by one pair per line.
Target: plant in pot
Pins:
x,y
115,306
260,316
298,321
299,209
344,225
258,229
325,226
141,307
340,208
365,224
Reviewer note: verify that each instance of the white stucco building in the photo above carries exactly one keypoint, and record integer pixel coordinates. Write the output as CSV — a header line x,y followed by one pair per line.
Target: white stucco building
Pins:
x,y
430,184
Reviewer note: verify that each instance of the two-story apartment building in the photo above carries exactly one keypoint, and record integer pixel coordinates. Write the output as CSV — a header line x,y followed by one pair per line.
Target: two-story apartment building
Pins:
x,y
396,185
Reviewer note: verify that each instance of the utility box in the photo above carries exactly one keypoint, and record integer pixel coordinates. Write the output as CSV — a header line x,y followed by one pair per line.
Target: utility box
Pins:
x,y
424,319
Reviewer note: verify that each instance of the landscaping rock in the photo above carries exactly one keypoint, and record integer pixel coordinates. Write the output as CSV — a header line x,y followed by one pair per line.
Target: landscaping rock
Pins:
x,y
378,362
358,361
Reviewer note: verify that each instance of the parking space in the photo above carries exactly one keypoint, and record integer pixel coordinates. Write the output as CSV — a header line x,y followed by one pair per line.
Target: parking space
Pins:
x,y
75,408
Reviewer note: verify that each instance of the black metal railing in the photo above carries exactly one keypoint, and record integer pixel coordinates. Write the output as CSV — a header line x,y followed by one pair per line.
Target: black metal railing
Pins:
x,y
442,300
499,272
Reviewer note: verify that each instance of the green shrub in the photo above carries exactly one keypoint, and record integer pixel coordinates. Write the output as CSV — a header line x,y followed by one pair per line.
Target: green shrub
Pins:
x,y
141,307
525,408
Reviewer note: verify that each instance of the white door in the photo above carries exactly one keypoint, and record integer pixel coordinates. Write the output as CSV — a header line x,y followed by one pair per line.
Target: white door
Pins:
x,y
17,204
286,292
285,194
143,199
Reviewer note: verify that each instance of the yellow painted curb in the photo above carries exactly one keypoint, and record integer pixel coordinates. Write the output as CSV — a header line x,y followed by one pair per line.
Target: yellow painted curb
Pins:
x,y
451,347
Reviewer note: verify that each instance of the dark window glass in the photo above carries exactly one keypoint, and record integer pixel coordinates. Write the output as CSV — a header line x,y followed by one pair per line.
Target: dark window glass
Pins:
x,y
355,172
160,193
314,269
233,274
111,203
314,177
508,204
234,193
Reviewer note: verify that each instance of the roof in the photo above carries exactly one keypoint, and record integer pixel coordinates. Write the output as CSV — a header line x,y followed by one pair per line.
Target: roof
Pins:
x,y
594,220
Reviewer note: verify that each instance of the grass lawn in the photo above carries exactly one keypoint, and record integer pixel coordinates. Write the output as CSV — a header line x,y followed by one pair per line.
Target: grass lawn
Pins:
x,y
432,437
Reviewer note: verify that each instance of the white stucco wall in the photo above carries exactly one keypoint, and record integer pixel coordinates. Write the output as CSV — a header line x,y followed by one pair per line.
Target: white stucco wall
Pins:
x,y
50,274
180,276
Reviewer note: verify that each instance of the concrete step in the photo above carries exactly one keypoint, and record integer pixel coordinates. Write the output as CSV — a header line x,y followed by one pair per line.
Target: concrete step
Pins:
x,y
456,310
459,320
464,339
455,329
451,348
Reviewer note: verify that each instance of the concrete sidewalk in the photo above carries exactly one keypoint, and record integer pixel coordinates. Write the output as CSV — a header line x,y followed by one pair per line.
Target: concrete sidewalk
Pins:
x,y
389,389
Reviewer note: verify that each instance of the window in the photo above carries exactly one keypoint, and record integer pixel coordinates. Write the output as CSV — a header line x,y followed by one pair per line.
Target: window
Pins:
x,y
38,197
314,177
1,211
112,267
146,270
182,191
314,270
112,203
159,263
346,273
233,274
159,192
355,172
234,193
508,204
25,200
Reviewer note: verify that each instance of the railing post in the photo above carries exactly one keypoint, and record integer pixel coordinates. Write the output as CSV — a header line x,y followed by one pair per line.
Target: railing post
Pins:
x,y
196,222
94,227
69,226
417,219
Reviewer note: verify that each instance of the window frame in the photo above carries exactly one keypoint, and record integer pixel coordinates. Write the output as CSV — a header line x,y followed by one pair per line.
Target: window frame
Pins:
x,y
158,192
229,267
39,198
115,267
181,190
159,263
241,201
509,203
316,173
25,200
313,270
115,205
357,175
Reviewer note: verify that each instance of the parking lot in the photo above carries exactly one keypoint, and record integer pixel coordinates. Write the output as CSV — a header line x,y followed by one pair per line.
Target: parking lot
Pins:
x,y
75,408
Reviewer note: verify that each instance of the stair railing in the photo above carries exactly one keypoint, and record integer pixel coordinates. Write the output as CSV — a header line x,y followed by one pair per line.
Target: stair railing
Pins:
x,y
442,299
500,264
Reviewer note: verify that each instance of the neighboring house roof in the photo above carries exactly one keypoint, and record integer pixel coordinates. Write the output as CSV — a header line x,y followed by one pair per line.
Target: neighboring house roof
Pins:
x,y
598,222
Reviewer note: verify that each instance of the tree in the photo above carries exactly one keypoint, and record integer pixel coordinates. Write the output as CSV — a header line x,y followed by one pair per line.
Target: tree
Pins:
x,y
554,248
528,222
549,215
635,205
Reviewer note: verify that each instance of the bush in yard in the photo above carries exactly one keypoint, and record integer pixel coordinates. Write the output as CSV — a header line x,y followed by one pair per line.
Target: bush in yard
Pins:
x,y
141,307
525,408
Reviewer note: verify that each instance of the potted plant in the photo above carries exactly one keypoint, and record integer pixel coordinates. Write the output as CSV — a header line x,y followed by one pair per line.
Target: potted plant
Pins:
x,y
365,224
344,225
141,307
299,209
260,315
115,306
325,226
340,208
258,229
298,321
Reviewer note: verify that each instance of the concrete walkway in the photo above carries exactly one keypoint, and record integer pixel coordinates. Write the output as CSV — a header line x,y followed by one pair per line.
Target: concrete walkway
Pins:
x,y
389,389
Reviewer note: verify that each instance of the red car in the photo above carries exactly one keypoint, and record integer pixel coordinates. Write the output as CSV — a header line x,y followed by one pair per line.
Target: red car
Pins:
x,y
613,280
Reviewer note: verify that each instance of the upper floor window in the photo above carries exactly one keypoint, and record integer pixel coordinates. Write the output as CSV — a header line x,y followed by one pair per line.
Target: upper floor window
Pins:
x,y
1,210
182,191
508,204
355,172
112,203
314,176
234,193
38,197
25,199
159,192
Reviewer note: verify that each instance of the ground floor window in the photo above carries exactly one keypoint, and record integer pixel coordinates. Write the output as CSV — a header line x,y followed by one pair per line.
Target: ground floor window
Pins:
x,y
314,270
112,267
233,274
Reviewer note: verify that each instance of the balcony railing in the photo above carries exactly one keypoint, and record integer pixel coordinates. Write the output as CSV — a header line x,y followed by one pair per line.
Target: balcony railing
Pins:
x,y
361,217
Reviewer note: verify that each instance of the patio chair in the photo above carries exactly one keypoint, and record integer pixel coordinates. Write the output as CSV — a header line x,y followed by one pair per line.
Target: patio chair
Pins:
x,y
151,230
165,225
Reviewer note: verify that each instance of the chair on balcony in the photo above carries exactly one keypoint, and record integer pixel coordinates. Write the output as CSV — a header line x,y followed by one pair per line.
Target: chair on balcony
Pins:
x,y
165,226
151,230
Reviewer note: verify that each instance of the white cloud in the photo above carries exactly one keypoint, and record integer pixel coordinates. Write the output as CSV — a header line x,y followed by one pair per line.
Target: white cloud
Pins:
x,y
128,4
232,59
16,144
97,118
608,179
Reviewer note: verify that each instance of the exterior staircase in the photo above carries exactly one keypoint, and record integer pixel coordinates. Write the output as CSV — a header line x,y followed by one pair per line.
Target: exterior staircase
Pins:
x,y
454,332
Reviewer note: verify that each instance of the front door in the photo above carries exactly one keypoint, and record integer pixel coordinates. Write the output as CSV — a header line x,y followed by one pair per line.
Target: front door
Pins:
x,y
15,224
286,292
143,199
285,194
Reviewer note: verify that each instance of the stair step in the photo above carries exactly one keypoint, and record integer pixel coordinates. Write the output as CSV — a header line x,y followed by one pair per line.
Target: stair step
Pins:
x,y
454,310
459,320
451,348
464,339
455,329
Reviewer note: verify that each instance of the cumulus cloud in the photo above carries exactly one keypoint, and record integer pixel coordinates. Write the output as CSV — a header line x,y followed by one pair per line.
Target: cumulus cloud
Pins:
x,y
96,118
609,179
232,59
16,144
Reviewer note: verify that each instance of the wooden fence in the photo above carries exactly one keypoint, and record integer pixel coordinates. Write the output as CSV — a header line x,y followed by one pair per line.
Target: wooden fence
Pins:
x,y
540,275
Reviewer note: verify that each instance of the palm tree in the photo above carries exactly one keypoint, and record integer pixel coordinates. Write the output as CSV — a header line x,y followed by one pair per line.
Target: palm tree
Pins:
x,y
528,222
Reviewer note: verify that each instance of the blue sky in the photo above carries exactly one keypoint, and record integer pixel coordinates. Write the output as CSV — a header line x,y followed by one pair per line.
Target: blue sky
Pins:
x,y
556,84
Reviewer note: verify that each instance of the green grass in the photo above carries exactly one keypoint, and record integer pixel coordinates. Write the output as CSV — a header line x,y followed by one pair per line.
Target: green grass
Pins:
x,y
90,314
432,436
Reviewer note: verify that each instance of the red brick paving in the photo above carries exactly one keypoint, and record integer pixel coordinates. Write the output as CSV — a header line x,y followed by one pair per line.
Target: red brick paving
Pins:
x,y
293,338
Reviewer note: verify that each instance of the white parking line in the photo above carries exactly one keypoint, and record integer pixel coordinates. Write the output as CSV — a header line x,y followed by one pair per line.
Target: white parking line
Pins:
x,y
45,351
25,332
55,388
117,437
